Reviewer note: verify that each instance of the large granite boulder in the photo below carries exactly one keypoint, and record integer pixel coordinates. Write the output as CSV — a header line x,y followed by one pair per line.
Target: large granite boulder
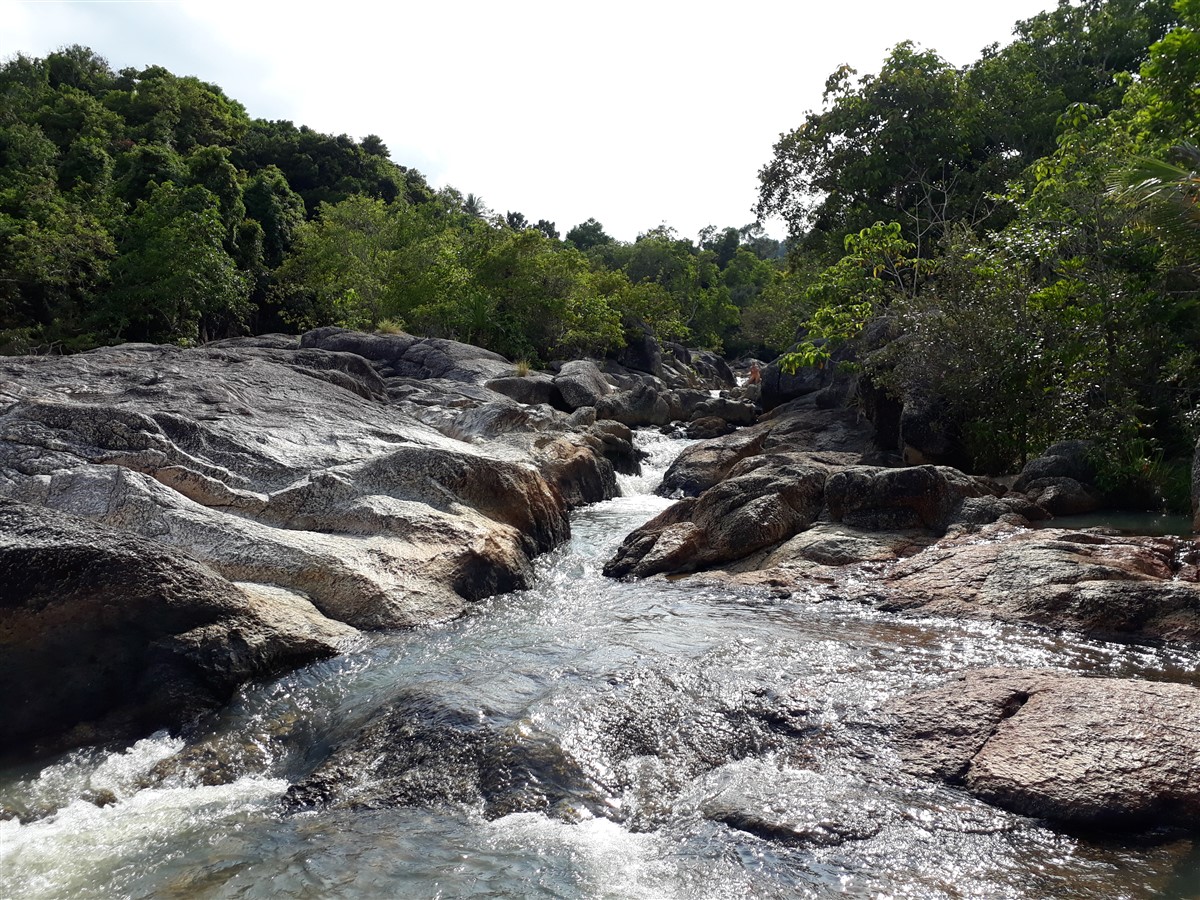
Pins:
x,y
705,463
1107,585
712,369
779,387
642,405
408,356
641,351
532,389
761,503
1096,752
580,383
735,412
254,461
799,426
887,499
1063,479
105,634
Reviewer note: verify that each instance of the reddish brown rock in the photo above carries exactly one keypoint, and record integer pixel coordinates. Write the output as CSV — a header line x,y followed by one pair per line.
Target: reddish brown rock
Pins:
x,y
1086,751
1104,584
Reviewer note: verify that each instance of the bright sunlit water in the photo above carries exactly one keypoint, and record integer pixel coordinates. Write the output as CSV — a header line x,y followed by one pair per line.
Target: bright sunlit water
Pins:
x,y
653,688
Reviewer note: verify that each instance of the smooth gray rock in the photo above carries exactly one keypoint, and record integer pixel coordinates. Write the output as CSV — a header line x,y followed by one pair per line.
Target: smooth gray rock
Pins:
x,y
407,356
420,753
1066,459
270,475
641,351
712,368
735,412
643,405
106,635
581,383
532,389
1063,496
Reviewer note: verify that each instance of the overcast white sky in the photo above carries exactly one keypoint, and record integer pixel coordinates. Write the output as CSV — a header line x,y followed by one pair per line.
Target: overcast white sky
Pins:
x,y
633,112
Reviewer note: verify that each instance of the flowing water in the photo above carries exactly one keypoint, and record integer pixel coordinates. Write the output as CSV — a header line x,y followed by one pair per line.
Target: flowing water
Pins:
x,y
730,736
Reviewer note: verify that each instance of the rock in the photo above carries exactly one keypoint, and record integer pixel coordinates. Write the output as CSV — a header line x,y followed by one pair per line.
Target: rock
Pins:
x,y
272,476
267,341
580,384
419,753
735,412
803,426
641,351
680,352
756,506
1066,459
1095,752
779,387
887,499
798,426
712,368
1062,496
794,807
689,400
839,545
616,445
708,427
705,464
1105,585
643,405
403,355
529,389
104,634
677,375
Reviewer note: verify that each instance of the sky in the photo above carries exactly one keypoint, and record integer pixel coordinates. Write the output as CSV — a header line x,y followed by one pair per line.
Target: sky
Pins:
x,y
634,113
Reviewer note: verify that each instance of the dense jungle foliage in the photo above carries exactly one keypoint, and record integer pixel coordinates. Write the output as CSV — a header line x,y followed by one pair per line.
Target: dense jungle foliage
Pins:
x,y
140,205
1018,239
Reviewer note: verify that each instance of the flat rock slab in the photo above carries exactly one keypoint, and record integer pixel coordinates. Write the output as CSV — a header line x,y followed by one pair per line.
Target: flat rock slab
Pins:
x,y
1107,585
1097,752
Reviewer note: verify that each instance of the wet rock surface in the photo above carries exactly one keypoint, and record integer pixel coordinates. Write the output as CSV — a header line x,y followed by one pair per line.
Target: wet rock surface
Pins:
x,y
758,487
375,477
104,634
421,753
1085,751
755,507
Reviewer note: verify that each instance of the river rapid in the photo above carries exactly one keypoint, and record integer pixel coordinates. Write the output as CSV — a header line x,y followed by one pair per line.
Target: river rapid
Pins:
x,y
732,738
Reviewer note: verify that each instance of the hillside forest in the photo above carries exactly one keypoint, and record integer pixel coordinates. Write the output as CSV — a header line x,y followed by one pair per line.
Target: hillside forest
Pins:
x,y
1016,241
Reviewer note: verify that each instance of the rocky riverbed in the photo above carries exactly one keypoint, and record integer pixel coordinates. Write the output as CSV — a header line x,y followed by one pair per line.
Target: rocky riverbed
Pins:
x,y
177,526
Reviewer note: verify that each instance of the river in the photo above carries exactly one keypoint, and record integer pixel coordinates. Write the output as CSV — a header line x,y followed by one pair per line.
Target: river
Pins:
x,y
733,736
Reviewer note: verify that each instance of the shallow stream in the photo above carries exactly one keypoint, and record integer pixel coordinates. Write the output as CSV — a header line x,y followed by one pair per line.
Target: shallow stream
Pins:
x,y
732,737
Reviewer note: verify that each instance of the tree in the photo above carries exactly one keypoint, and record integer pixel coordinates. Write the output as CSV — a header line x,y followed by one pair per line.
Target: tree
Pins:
x,y
587,235
270,201
1168,195
341,266
886,147
474,207
173,280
